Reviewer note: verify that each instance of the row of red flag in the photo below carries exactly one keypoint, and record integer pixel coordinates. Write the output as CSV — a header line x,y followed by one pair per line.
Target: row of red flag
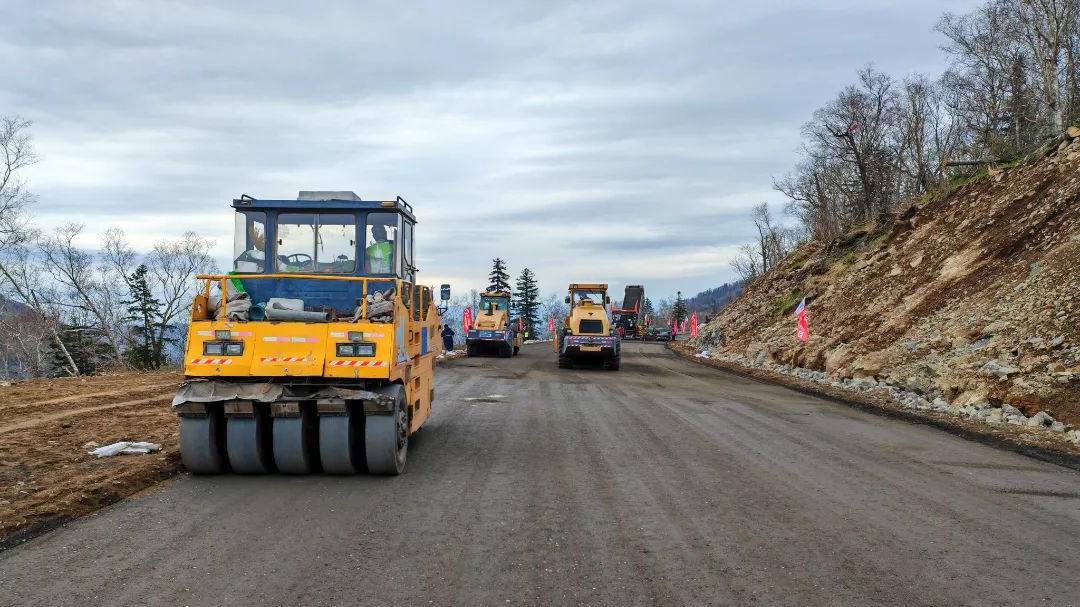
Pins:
x,y
802,331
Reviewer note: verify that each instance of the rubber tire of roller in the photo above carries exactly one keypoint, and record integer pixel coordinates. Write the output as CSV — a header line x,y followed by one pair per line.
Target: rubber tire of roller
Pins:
x,y
381,436
339,443
200,450
244,444
294,452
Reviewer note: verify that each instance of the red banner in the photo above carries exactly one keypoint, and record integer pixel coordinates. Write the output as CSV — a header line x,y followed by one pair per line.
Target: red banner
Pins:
x,y
802,332
551,325
466,319
693,325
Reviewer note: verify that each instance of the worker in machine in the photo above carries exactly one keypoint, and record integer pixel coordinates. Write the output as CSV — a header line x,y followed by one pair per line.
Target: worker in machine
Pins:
x,y
380,254
447,338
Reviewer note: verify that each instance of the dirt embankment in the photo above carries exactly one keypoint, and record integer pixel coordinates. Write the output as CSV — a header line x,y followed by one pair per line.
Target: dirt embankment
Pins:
x,y
969,299
46,474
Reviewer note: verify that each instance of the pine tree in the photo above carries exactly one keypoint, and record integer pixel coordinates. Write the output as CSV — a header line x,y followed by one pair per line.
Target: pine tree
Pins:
x,y
499,278
144,312
678,309
647,309
527,301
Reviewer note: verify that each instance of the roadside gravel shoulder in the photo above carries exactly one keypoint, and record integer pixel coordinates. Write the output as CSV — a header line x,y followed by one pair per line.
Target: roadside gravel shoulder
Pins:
x,y
1032,442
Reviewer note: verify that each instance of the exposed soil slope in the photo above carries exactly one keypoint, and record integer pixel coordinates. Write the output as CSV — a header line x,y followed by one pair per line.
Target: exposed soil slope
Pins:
x,y
973,296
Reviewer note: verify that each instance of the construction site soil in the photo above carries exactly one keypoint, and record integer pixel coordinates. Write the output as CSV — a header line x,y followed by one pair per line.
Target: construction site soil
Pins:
x,y
47,428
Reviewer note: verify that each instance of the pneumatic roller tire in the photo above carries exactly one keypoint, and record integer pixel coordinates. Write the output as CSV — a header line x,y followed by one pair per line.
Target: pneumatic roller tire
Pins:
x,y
200,444
246,444
339,443
294,443
386,437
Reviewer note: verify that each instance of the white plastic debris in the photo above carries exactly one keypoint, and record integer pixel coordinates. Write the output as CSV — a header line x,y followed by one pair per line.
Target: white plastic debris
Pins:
x,y
127,448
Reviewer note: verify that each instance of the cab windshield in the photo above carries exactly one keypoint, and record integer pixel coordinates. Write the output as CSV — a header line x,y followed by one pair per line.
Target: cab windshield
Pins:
x,y
316,242
595,297
492,304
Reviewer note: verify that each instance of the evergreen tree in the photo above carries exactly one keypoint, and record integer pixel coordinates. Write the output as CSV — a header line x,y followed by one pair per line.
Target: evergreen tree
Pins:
x,y
144,312
499,278
527,301
678,309
647,309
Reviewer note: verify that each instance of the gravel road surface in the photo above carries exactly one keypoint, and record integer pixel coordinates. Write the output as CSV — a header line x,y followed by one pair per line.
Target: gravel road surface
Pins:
x,y
664,483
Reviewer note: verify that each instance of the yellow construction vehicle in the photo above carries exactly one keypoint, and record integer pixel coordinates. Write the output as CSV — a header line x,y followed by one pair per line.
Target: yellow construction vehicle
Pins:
x,y
493,331
586,334
317,352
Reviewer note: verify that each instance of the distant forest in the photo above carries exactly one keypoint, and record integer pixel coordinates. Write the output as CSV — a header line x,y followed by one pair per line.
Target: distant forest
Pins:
x,y
710,301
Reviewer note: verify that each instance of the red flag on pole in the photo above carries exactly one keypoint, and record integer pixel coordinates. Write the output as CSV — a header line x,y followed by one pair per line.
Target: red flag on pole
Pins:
x,y
693,325
551,325
802,333
466,319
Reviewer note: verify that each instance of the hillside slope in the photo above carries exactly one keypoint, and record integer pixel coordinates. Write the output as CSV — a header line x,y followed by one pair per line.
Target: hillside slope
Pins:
x,y
971,297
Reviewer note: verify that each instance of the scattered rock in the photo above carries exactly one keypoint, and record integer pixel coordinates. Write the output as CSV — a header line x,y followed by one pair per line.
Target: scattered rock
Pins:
x,y
1040,419
994,368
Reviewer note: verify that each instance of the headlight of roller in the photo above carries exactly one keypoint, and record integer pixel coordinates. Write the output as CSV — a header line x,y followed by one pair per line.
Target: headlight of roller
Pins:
x,y
355,350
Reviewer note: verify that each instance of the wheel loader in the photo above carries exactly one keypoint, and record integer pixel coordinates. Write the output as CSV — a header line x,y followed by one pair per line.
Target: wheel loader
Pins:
x,y
587,334
493,331
317,352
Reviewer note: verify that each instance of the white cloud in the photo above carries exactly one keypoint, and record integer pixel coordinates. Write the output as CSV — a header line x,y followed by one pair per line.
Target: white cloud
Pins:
x,y
530,131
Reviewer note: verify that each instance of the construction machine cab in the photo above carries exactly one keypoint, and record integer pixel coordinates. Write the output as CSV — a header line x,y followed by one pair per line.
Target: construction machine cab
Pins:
x,y
331,233
491,303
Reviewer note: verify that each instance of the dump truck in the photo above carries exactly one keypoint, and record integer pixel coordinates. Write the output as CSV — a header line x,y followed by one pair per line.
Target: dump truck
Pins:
x,y
493,331
587,333
627,317
317,352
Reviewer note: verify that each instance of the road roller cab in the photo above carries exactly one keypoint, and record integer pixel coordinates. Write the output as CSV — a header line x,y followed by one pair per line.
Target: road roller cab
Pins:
x,y
317,351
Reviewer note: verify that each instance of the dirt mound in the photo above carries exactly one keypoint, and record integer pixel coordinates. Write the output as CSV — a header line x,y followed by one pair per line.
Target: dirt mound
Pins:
x,y
970,296
46,474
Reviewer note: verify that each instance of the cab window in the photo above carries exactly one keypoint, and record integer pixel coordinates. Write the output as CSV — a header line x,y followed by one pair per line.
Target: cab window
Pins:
x,y
380,243
249,241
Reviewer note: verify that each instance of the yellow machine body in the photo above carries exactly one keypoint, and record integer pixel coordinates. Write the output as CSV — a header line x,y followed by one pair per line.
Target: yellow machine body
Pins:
x,y
493,331
587,334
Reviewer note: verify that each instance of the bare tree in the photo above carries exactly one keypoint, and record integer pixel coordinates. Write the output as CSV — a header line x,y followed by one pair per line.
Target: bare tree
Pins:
x,y
774,242
1047,27
173,265
15,198
86,286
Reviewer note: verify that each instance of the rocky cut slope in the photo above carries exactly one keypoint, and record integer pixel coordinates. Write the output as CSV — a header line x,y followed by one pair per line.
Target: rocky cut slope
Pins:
x,y
970,300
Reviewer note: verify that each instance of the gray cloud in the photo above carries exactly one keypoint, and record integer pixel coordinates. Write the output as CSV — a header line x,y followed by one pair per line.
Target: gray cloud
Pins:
x,y
531,131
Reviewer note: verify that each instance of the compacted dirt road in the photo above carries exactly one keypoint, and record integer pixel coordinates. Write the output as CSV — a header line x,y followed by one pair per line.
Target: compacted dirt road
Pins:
x,y
662,483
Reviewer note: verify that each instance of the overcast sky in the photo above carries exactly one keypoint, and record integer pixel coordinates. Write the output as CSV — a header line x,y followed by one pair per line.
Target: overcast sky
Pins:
x,y
601,141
